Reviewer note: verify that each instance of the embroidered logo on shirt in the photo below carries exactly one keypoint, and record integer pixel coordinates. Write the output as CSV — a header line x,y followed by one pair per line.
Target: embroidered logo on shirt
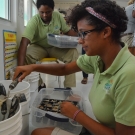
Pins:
x,y
108,85
56,27
56,30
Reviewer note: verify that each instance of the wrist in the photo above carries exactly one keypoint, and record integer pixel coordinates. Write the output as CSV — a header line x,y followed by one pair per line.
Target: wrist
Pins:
x,y
76,113
34,67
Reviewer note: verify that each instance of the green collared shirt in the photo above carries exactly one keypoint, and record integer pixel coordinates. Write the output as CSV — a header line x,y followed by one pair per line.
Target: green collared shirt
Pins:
x,y
112,95
36,30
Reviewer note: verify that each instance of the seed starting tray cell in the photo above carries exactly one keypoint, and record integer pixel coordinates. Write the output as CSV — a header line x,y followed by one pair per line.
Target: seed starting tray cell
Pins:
x,y
53,105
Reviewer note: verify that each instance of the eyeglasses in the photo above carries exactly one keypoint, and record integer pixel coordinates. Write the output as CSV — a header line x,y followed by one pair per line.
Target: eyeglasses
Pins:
x,y
82,34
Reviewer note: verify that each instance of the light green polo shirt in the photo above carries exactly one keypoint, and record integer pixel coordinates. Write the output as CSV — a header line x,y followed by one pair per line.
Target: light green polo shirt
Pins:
x,y
112,95
36,31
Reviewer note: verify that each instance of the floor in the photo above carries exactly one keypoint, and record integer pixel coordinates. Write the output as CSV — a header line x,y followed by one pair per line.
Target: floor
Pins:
x,y
51,82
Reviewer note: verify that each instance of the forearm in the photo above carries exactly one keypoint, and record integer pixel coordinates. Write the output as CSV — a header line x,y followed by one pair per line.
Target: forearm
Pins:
x,y
93,126
57,69
22,51
53,69
21,57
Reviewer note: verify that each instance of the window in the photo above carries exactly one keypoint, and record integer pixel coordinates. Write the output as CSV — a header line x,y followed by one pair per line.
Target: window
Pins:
x,y
34,1
25,13
5,9
34,8
29,10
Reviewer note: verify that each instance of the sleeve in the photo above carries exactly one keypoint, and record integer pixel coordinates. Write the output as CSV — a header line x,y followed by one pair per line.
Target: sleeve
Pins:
x,y
30,30
85,63
64,27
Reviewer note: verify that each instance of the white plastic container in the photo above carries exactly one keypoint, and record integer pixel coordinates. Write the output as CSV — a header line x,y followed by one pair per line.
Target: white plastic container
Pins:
x,y
62,41
22,87
13,124
41,118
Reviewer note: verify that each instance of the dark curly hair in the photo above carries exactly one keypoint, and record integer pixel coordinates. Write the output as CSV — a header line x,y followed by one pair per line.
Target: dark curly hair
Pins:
x,y
110,10
49,3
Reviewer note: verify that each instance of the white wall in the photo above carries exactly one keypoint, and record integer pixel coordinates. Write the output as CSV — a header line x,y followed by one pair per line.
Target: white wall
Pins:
x,y
67,5
16,24
122,3
7,25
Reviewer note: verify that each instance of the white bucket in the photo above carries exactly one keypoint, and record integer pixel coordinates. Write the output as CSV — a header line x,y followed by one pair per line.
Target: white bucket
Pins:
x,y
25,127
27,95
33,85
17,132
33,95
25,106
33,79
11,124
22,87
12,129
31,76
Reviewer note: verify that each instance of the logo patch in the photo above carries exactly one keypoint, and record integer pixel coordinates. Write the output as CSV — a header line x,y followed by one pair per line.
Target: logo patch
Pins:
x,y
108,86
56,27
56,30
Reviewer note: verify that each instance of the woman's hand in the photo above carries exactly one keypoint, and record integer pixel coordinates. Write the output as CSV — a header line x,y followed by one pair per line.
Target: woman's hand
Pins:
x,y
68,109
25,70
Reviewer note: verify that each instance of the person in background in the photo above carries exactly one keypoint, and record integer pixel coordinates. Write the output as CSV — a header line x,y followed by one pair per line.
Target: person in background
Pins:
x,y
35,35
112,96
127,36
85,76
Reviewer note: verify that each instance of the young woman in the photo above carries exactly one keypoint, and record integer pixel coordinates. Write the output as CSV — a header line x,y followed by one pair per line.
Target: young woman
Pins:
x,y
99,24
